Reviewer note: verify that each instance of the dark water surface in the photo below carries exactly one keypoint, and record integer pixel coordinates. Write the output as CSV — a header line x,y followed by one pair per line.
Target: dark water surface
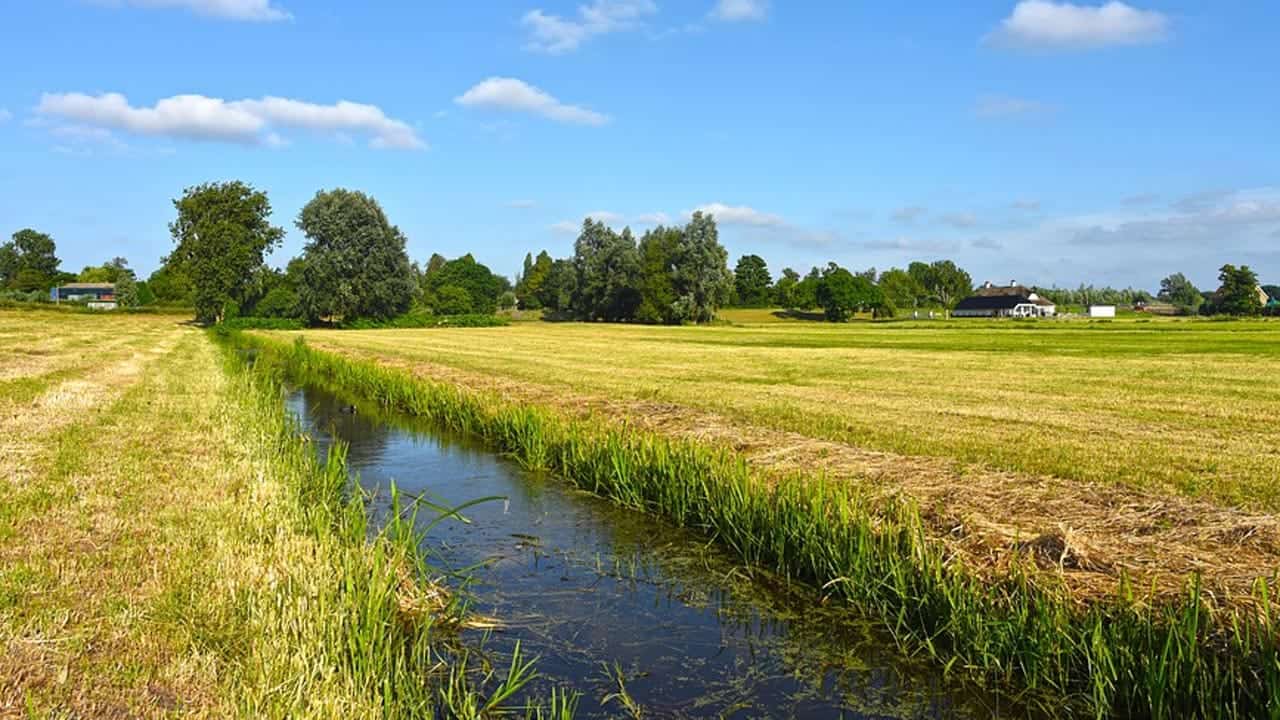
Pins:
x,y
590,588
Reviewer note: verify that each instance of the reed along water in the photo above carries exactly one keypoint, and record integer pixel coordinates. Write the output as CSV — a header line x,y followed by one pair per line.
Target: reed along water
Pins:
x,y
600,593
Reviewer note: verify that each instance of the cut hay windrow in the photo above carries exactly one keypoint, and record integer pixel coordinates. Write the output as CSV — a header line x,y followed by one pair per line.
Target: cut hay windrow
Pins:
x,y
1020,633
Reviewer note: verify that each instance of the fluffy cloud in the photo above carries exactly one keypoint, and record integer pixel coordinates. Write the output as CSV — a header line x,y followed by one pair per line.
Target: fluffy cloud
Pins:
x,y
740,10
196,117
516,95
999,106
1044,24
555,34
605,216
566,227
246,10
959,220
739,215
653,218
908,215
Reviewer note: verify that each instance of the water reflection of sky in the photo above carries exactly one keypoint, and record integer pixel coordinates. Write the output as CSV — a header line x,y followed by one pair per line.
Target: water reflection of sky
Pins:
x,y
583,584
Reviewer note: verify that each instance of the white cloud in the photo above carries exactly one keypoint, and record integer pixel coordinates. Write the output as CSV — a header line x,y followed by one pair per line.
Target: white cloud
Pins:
x,y
653,218
986,243
959,220
516,95
741,10
566,227
247,10
1045,24
908,215
249,122
604,216
739,215
994,107
555,34
910,244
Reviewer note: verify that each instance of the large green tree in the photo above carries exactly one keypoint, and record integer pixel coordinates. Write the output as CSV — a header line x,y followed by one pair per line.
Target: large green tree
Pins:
x,y
529,289
355,261
483,288
841,293
1239,292
33,252
223,234
752,282
702,280
902,288
659,248
945,282
784,290
171,286
1178,291
608,269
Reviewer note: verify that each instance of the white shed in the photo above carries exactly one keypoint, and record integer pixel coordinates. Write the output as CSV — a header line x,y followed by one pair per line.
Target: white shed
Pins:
x,y
1102,311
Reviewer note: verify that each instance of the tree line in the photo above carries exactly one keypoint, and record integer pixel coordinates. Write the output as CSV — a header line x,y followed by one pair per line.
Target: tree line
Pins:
x,y
354,266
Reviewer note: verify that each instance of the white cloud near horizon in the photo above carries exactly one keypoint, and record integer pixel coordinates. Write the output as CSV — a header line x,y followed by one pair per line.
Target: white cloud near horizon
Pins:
x,y
738,215
653,218
1049,25
557,35
247,122
511,94
243,10
741,10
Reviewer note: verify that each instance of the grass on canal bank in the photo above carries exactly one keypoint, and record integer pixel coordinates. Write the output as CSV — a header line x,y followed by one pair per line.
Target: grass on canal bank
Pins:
x,y
170,546
1186,655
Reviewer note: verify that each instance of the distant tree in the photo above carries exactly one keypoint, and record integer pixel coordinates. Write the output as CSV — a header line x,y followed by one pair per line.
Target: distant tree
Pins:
x,y
453,300
658,250
482,286
785,288
945,283
126,290
109,272
840,293
1239,292
752,281
145,296
701,277
356,265
608,273
223,234
529,288
30,280
557,292
29,251
171,286
507,300
903,289
434,264
805,294
1178,291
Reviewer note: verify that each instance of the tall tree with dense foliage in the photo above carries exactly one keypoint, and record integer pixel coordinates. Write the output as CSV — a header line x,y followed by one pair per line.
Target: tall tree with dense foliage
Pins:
x,y
841,293
701,276
1239,292
945,282
903,289
171,286
658,249
534,276
481,285
1178,291
752,282
608,269
784,290
223,234
127,290
559,289
32,252
356,265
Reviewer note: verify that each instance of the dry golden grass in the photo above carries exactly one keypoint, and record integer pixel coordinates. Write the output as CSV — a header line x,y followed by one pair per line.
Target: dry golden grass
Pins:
x,y
1099,450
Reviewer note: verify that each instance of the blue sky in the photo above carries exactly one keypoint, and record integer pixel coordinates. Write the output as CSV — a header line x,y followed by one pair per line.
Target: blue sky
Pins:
x,y
1040,141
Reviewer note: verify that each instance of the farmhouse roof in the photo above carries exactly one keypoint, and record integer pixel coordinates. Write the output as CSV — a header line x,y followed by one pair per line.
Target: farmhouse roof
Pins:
x,y
997,297
88,286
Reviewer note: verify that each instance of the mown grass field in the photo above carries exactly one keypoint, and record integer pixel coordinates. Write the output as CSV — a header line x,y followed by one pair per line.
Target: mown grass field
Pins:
x,y
1187,408
169,547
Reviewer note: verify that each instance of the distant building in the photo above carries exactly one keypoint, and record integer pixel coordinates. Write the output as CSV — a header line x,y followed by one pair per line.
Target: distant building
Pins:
x,y
94,292
1102,311
1153,307
1013,300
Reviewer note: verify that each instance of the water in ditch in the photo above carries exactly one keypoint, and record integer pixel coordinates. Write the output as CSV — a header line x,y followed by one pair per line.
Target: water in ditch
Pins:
x,y
600,593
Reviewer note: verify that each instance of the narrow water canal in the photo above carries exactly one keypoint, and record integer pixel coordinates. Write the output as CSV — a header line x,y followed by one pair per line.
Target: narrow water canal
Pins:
x,y
590,589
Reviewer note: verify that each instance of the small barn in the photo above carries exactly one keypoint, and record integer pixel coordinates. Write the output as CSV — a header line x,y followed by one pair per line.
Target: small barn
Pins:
x,y
93,292
1012,300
